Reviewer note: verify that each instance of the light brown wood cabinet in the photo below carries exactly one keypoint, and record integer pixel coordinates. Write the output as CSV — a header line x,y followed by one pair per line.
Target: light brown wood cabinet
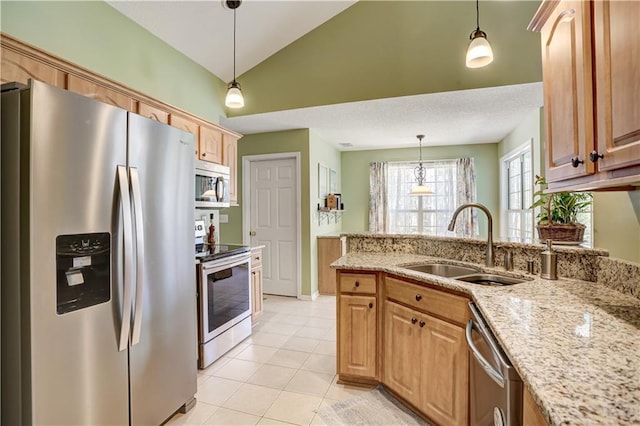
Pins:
x,y
357,327
531,414
590,63
256,285
188,125
93,90
210,145
358,336
153,113
230,159
20,68
329,250
425,357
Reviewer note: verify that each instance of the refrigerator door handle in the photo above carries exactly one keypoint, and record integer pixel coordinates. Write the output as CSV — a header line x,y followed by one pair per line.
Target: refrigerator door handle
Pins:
x,y
137,208
125,202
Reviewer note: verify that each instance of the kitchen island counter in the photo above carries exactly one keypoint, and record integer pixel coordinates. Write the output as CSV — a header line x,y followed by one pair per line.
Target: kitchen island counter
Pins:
x,y
576,344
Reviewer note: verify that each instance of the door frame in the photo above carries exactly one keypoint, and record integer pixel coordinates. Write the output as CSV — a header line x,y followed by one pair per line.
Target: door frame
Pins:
x,y
246,201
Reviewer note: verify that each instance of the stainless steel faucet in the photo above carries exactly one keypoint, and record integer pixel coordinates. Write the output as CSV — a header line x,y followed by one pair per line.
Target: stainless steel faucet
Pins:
x,y
488,259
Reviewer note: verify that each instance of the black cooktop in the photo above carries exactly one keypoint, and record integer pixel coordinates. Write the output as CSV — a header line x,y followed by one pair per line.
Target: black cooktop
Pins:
x,y
203,254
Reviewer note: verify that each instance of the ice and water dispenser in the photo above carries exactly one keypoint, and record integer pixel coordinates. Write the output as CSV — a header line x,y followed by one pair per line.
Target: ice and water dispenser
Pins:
x,y
83,271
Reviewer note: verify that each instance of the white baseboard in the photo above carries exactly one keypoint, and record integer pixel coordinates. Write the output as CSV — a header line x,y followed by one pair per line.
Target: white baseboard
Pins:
x,y
311,298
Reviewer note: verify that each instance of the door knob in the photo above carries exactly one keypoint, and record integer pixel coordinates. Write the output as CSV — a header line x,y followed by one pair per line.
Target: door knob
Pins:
x,y
252,233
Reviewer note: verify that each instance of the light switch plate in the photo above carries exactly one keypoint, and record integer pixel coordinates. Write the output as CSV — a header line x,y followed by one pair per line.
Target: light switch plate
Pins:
x,y
224,218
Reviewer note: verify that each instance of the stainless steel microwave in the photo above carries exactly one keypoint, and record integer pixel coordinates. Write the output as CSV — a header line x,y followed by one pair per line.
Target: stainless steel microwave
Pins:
x,y
212,185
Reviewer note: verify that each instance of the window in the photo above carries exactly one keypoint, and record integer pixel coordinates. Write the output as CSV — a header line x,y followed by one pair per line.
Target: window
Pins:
x,y
518,220
425,214
519,195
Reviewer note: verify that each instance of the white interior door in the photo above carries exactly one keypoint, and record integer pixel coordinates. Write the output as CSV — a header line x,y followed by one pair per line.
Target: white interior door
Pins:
x,y
274,208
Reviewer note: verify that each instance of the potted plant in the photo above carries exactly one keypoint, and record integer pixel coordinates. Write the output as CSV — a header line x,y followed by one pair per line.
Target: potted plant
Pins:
x,y
558,217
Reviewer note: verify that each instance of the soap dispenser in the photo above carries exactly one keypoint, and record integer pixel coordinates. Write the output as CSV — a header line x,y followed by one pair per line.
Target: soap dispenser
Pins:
x,y
548,263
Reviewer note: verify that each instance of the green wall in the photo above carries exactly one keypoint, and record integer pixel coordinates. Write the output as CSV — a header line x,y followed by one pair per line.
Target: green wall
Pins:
x,y
96,36
616,223
381,49
355,178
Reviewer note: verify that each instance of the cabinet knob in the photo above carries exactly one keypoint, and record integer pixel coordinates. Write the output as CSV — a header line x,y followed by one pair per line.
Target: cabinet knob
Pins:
x,y
370,305
414,320
575,162
204,154
253,273
594,156
357,284
257,257
422,323
418,297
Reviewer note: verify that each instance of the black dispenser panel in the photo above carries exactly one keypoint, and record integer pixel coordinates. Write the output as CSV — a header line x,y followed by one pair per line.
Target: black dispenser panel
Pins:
x,y
83,271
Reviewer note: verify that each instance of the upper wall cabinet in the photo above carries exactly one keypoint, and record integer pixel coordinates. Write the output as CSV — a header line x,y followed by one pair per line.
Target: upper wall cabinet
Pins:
x,y
591,64
210,145
149,111
99,92
230,158
187,125
20,68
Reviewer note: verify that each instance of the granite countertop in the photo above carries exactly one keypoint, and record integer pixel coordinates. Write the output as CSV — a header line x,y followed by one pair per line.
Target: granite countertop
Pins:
x,y
576,344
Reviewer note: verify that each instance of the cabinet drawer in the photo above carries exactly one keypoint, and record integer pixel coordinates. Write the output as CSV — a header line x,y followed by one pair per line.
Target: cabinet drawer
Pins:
x,y
256,258
440,303
358,283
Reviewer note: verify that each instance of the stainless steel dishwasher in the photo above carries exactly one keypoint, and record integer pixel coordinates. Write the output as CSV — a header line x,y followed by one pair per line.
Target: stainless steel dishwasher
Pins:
x,y
495,386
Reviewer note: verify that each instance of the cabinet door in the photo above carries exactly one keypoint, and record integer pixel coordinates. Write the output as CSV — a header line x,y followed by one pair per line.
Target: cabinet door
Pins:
x,y
210,145
187,125
230,158
617,82
357,336
402,360
566,69
98,92
445,372
16,67
153,113
256,294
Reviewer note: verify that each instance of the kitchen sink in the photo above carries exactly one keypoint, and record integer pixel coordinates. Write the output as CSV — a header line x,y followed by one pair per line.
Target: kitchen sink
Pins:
x,y
490,279
442,270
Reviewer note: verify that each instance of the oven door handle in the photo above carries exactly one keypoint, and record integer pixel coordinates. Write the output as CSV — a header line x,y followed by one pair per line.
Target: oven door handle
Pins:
x,y
227,262
486,366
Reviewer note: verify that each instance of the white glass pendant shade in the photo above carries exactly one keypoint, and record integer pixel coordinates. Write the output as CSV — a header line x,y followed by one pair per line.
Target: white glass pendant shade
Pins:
x,y
234,97
420,190
479,52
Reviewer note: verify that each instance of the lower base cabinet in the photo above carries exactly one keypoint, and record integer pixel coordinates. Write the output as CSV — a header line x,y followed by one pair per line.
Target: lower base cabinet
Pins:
x,y
256,284
357,336
426,363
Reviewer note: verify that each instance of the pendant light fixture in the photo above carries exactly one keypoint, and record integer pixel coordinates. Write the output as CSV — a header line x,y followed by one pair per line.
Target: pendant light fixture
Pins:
x,y
234,97
420,188
479,52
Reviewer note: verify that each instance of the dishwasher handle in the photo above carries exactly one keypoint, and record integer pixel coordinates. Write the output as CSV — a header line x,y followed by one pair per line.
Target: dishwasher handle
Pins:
x,y
486,366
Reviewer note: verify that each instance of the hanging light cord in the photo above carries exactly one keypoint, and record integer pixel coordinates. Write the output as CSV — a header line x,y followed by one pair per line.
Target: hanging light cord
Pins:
x,y
234,44
478,14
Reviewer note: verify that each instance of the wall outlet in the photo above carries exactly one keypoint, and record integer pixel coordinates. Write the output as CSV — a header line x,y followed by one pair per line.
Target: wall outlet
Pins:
x,y
224,218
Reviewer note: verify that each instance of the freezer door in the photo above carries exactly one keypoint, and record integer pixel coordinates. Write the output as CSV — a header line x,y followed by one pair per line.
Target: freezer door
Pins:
x,y
77,374
163,351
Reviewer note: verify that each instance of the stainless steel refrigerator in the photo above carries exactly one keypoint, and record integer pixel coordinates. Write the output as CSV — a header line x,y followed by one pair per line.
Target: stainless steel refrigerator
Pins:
x,y
98,277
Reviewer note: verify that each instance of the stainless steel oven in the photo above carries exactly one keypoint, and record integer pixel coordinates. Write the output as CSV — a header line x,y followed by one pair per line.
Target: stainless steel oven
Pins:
x,y
224,303
495,386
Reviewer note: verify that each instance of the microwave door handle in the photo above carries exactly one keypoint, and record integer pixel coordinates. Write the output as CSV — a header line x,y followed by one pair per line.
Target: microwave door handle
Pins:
x,y
125,202
137,200
220,189
486,366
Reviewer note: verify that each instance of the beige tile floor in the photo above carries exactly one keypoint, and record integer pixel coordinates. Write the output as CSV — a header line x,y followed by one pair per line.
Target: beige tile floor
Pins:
x,y
280,375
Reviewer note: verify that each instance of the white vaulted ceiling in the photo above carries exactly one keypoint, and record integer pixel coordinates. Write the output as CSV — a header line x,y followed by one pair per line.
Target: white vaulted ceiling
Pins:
x,y
203,31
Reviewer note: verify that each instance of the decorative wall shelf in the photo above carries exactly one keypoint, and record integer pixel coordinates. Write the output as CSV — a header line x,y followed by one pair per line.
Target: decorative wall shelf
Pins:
x,y
328,215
